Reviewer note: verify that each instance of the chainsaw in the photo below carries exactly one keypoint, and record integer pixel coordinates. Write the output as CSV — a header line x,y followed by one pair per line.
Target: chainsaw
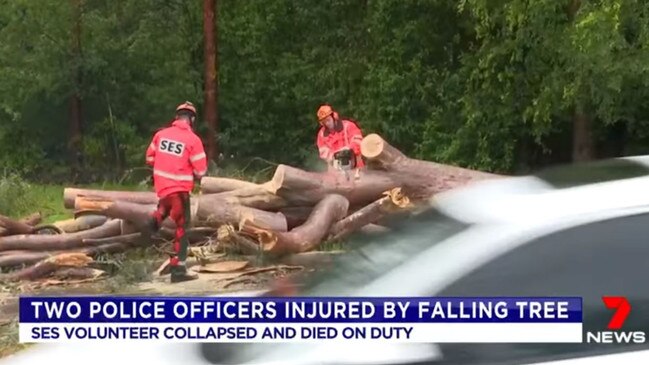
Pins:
x,y
345,161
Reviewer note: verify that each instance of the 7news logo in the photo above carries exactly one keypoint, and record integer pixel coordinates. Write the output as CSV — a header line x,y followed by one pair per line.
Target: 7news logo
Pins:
x,y
621,308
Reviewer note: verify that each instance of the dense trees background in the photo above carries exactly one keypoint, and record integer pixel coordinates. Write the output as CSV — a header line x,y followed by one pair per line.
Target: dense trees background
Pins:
x,y
498,85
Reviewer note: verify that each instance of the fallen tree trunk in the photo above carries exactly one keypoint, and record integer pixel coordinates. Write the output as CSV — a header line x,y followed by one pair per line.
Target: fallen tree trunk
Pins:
x,y
214,211
138,214
81,223
305,237
139,197
232,241
30,257
393,201
214,185
58,242
296,216
26,225
47,266
420,179
304,188
254,197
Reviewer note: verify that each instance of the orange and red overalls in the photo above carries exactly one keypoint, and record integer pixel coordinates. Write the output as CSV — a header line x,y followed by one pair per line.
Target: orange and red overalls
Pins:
x,y
345,134
178,158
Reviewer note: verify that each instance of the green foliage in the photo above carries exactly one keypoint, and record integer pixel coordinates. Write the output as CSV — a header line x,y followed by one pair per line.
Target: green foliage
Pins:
x,y
15,196
485,84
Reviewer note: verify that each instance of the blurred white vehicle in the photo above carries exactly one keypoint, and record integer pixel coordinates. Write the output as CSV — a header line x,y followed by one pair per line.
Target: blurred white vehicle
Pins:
x,y
579,230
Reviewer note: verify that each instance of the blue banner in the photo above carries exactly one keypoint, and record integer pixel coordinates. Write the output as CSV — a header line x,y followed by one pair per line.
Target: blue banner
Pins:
x,y
300,310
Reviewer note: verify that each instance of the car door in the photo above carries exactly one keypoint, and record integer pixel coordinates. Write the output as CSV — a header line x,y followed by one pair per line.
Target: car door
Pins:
x,y
598,259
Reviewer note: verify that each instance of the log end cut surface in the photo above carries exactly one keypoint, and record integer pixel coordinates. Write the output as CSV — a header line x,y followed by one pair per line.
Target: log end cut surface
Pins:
x,y
372,145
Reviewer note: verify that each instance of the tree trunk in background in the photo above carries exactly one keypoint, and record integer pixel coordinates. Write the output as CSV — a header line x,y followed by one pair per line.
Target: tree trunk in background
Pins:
x,y
583,148
74,143
209,32
582,139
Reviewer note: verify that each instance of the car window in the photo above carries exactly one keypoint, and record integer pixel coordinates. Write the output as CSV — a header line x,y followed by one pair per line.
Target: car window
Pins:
x,y
592,172
590,261
370,257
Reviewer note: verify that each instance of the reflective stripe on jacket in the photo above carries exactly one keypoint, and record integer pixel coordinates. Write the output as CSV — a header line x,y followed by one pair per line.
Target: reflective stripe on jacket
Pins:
x,y
178,157
346,135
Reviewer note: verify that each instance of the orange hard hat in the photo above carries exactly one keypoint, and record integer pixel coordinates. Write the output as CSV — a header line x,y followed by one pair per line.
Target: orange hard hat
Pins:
x,y
186,106
324,111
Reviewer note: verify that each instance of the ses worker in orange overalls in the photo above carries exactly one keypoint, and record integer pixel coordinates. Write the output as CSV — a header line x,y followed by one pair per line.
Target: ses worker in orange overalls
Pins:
x,y
178,158
339,140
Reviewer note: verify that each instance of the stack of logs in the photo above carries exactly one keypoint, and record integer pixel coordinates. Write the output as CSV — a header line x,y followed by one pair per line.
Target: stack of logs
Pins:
x,y
294,212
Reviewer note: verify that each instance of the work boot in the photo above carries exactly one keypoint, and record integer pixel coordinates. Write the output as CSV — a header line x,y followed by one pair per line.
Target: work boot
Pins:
x,y
180,274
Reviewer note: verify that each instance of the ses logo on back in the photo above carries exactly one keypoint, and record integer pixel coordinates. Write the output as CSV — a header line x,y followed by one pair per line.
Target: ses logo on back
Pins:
x,y
621,308
171,147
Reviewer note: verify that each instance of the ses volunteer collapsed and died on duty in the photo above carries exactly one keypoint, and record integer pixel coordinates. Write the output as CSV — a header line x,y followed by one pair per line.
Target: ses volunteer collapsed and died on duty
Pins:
x,y
260,310
217,332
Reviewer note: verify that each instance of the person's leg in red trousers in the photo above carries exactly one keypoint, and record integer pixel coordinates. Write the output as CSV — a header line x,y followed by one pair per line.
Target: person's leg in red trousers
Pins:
x,y
176,206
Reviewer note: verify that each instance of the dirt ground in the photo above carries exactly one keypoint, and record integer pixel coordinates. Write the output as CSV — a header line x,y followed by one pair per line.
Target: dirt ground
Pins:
x,y
242,280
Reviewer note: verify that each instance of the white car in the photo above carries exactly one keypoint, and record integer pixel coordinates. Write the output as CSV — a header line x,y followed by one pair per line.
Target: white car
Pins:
x,y
579,230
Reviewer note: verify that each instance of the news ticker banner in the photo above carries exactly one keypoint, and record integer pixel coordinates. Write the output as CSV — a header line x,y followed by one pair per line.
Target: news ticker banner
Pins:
x,y
313,319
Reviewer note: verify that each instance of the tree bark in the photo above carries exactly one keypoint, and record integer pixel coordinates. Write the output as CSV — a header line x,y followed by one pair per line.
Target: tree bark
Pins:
x,y
80,223
307,236
371,213
75,138
47,266
60,241
9,226
209,34
140,197
296,216
214,185
214,211
304,188
137,214
420,179
254,197
583,146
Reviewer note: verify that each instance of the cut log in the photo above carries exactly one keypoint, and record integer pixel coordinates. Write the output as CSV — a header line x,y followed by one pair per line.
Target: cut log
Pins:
x,y
10,226
392,202
420,179
296,216
254,197
213,211
138,214
47,266
77,274
19,258
304,188
60,241
235,242
81,223
307,236
33,219
213,185
139,197
131,238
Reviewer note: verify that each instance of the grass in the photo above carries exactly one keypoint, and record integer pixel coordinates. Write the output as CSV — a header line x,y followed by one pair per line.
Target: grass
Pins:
x,y
9,340
19,198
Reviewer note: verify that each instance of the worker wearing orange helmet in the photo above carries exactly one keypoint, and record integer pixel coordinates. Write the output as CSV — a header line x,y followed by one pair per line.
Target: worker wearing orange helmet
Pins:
x,y
339,139
178,158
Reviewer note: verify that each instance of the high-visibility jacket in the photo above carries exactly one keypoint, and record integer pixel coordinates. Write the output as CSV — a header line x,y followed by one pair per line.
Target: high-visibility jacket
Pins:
x,y
178,157
345,134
